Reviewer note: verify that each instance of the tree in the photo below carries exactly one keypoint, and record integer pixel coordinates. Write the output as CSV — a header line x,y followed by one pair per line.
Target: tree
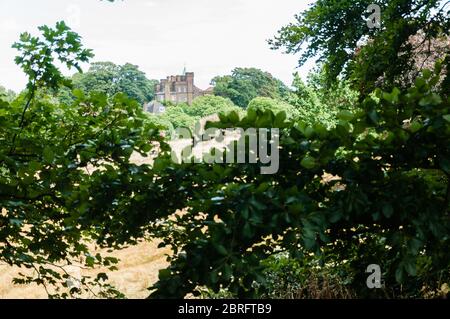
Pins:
x,y
244,84
208,105
8,94
379,57
134,83
59,162
388,202
184,115
374,188
66,177
317,102
177,116
262,104
110,79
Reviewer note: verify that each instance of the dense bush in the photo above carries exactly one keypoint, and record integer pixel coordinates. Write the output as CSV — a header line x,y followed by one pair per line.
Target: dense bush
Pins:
x,y
387,204
204,106
276,106
317,102
184,115
289,278
177,116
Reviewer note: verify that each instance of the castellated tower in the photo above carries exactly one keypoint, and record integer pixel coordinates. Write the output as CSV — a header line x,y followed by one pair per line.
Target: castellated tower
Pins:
x,y
179,89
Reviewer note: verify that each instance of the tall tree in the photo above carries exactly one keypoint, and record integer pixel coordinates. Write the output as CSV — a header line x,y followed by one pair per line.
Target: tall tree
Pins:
x,y
317,102
109,78
338,34
244,84
49,158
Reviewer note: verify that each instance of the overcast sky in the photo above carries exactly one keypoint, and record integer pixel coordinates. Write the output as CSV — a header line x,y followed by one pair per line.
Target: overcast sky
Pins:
x,y
160,36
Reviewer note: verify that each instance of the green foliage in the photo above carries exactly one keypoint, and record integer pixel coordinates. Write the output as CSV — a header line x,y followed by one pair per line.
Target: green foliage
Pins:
x,y
244,84
335,32
110,79
178,117
316,102
184,115
304,278
208,105
276,106
37,55
160,121
7,94
387,204
59,162
372,187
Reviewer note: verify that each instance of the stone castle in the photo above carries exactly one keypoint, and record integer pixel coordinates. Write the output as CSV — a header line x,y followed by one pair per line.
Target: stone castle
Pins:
x,y
175,89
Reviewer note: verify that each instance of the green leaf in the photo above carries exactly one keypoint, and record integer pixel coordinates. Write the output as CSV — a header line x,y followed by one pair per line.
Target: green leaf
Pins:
x,y
310,242
445,165
414,246
345,115
257,204
426,74
399,275
309,132
388,210
262,188
227,272
410,267
432,99
374,117
164,274
415,126
247,230
90,261
213,277
221,250
48,155
223,117
78,94
280,118
233,117
308,162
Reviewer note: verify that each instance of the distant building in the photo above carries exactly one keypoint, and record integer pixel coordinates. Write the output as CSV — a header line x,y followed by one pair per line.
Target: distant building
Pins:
x,y
155,107
176,89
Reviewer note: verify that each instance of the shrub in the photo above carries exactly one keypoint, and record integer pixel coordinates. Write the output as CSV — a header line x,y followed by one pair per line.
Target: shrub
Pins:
x,y
387,203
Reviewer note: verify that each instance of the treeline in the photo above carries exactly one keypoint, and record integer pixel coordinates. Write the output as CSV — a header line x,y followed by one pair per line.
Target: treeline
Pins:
x,y
244,88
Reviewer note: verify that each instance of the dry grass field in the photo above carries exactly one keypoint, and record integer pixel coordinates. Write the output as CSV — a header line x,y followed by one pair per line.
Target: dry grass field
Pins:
x,y
138,269
139,265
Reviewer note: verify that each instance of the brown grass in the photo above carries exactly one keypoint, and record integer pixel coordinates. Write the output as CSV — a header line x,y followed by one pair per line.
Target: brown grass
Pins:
x,y
138,269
